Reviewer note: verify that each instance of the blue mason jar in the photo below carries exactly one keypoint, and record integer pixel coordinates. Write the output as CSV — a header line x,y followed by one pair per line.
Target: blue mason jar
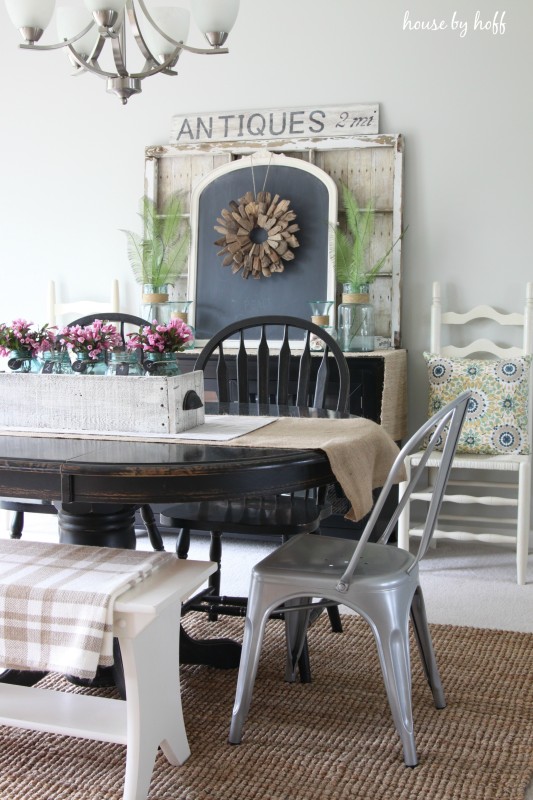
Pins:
x,y
162,364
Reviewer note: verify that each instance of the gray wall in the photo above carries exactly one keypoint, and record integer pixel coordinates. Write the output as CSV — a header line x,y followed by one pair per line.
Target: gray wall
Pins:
x,y
73,157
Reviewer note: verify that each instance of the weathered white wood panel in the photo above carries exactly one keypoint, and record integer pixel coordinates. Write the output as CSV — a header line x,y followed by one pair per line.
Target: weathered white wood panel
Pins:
x,y
99,402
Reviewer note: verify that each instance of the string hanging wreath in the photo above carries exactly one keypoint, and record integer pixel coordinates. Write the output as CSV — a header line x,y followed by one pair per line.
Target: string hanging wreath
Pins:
x,y
257,235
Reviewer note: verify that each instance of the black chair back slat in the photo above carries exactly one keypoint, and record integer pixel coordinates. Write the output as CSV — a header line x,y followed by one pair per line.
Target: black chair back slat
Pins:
x,y
284,366
243,388
263,368
304,374
223,387
322,380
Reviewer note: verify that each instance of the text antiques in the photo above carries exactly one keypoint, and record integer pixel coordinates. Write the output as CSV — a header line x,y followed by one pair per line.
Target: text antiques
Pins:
x,y
275,123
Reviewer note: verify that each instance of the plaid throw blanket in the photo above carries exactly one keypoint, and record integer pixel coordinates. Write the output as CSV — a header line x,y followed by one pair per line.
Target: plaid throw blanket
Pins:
x,y
56,603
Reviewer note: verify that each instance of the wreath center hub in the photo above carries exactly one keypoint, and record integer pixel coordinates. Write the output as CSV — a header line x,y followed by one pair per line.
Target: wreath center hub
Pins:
x,y
258,235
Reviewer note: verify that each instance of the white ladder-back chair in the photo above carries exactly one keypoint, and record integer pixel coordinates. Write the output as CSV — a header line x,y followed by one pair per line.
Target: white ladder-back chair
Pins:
x,y
489,507
80,308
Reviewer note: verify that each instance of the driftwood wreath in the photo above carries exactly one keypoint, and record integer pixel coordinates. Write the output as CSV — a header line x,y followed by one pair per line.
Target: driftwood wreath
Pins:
x,y
257,235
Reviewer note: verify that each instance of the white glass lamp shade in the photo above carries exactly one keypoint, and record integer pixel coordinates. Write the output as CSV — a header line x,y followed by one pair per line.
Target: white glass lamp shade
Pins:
x,y
71,21
107,5
174,21
30,13
215,15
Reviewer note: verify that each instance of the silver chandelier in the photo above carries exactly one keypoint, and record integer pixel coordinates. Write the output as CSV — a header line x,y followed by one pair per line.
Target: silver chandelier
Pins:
x,y
160,34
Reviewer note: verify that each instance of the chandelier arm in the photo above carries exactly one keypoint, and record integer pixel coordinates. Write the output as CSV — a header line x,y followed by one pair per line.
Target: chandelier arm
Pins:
x,y
170,61
199,50
118,46
59,45
90,67
137,34
163,67
97,49
118,55
205,51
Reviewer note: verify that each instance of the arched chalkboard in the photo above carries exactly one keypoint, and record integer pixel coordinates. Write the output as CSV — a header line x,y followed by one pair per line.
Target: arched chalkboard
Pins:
x,y
223,297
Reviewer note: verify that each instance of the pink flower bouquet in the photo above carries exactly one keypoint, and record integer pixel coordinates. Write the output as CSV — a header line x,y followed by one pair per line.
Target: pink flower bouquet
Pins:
x,y
156,338
21,336
90,341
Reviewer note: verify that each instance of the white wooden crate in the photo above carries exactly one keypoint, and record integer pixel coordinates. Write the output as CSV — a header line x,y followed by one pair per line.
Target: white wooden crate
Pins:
x,y
136,404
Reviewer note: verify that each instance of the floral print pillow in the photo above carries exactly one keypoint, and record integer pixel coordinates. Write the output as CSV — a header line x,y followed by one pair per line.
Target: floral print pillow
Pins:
x,y
497,416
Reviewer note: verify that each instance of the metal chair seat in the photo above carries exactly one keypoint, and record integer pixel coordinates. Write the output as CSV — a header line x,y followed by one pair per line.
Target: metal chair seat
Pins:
x,y
325,559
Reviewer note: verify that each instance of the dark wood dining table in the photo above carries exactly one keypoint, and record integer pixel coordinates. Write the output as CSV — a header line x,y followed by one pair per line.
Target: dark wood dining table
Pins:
x,y
97,485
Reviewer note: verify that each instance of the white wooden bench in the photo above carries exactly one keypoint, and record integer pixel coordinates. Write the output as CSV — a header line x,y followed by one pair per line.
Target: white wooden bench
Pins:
x,y
146,621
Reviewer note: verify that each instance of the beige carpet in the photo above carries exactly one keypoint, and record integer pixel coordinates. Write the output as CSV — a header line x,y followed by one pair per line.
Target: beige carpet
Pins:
x,y
328,740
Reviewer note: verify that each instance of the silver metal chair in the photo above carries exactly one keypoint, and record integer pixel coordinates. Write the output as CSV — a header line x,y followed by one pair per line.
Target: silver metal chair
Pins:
x,y
378,581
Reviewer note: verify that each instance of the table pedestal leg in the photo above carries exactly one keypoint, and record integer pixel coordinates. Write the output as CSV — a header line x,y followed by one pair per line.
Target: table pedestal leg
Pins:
x,y
97,525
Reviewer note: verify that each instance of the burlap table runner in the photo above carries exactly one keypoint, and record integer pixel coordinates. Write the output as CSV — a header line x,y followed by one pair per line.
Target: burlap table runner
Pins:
x,y
359,451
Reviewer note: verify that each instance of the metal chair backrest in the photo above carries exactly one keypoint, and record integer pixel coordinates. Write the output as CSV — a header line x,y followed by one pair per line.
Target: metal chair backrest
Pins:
x,y
445,424
254,373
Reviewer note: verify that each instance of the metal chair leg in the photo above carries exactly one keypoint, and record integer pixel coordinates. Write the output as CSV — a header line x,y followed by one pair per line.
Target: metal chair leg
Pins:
x,y
296,624
391,632
425,648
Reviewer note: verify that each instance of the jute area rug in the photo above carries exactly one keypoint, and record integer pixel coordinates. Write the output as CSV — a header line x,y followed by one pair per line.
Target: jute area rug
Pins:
x,y
327,740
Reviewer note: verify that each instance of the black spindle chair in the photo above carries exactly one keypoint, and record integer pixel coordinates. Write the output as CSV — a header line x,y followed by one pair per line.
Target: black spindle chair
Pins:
x,y
260,370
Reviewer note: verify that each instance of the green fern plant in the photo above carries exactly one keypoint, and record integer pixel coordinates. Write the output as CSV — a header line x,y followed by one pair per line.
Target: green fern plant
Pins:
x,y
351,246
159,255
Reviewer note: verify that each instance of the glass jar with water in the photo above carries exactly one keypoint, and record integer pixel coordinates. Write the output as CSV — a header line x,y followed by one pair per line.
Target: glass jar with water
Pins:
x,y
355,320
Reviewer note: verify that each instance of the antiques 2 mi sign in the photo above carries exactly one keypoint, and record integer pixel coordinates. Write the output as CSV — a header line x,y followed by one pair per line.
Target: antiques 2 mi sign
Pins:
x,y
277,123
